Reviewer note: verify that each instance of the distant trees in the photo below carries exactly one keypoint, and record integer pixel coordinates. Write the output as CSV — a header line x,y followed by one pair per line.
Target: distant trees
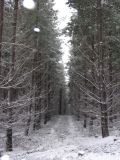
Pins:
x,y
94,60
31,77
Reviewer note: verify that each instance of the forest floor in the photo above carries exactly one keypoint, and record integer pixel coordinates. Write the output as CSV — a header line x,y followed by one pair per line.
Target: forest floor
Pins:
x,y
64,138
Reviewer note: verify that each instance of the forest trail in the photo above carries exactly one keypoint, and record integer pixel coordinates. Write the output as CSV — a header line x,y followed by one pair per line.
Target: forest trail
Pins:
x,y
63,138
65,128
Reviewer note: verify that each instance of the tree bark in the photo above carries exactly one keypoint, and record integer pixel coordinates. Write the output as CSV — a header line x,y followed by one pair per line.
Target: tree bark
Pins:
x,y
110,90
37,78
49,91
1,28
103,96
60,101
10,90
85,121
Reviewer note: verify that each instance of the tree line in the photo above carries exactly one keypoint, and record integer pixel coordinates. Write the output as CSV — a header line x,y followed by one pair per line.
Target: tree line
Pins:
x,y
95,61
32,84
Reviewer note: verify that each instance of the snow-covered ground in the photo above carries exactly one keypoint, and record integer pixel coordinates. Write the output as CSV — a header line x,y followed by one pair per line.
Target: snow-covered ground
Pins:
x,y
64,138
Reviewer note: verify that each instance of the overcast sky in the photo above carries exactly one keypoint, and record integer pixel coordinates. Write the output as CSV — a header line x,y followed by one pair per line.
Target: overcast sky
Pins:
x,y
64,14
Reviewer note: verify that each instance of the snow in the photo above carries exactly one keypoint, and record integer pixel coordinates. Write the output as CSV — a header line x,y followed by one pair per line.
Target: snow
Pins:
x,y
63,138
5,157
81,153
93,156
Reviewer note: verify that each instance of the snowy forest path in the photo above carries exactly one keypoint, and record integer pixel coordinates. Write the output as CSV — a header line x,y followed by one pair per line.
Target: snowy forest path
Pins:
x,y
61,133
62,138
66,130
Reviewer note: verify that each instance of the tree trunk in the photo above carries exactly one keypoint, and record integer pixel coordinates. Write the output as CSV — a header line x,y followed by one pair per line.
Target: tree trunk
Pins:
x,y
91,126
85,121
60,101
37,78
29,118
1,28
103,103
1,36
10,90
49,91
78,116
9,145
85,99
110,90
47,97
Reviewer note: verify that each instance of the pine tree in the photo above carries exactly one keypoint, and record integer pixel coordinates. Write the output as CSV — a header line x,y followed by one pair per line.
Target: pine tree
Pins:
x,y
94,45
